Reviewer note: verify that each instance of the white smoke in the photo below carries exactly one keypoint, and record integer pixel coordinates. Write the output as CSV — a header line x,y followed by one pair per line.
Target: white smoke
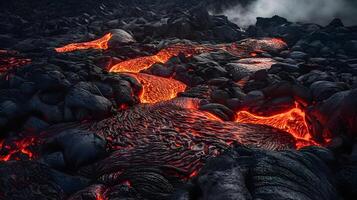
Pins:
x,y
315,11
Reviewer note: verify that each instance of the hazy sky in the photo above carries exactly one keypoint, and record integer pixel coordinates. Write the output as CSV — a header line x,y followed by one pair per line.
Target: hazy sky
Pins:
x,y
317,11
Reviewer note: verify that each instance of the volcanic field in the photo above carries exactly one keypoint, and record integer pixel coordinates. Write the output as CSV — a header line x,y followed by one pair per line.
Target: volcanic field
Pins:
x,y
167,99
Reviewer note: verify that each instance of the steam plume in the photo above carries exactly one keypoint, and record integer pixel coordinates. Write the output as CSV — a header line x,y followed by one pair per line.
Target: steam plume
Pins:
x,y
315,11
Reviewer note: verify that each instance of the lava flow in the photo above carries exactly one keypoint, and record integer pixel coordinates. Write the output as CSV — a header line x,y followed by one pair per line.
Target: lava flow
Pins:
x,y
10,59
292,121
101,43
175,133
138,64
16,149
157,89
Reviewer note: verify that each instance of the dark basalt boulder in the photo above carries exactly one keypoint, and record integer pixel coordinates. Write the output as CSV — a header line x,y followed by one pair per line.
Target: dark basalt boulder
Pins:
x,y
336,115
322,90
78,147
78,97
50,113
47,80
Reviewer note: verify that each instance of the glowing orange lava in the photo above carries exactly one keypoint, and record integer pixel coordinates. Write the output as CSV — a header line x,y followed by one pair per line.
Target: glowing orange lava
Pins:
x,y
101,43
157,89
138,64
292,121
18,147
247,48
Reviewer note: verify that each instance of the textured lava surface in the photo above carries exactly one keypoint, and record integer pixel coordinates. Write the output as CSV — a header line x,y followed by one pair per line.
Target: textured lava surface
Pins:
x,y
157,89
176,134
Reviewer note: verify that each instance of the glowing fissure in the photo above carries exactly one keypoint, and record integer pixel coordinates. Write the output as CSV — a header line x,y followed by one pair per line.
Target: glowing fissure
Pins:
x,y
101,43
11,152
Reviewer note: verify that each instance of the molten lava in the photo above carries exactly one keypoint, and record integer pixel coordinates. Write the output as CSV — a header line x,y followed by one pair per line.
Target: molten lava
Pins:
x,y
138,64
246,48
157,89
175,134
101,43
9,152
11,59
292,121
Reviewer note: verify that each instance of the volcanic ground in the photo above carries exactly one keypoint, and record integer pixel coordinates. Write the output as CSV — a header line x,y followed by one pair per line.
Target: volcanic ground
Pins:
x,y
135,100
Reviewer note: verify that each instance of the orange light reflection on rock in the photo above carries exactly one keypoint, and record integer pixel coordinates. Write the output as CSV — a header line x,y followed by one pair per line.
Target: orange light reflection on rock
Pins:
x,y
101,43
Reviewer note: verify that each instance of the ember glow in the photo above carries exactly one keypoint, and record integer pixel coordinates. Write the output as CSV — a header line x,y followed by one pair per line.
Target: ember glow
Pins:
x,y
292,121
10,59
101,43
15,149
157,89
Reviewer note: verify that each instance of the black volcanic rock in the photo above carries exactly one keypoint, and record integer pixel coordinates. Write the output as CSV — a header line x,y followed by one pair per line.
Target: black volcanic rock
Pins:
x,y
243,173
271,22
316,71
322,90
335,23
17,176
78,147
81,98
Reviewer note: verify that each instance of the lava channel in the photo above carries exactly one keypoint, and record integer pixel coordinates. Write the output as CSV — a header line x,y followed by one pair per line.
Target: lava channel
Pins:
x,y
292,121
175,133
157,89
141,63
101,43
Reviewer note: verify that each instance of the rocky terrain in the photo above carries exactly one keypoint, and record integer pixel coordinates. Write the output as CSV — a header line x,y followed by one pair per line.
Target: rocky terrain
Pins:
x,y
156,99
